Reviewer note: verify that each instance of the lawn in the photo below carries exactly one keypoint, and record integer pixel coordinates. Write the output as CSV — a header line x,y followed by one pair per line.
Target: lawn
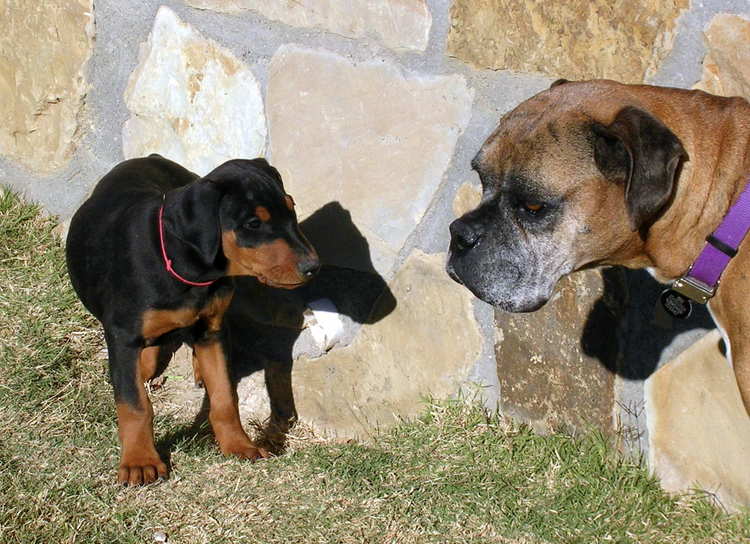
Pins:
x,y
455,474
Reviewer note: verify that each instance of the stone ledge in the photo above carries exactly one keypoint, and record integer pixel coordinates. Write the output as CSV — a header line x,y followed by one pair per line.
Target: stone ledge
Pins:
x,y
400,24
699,431
556,365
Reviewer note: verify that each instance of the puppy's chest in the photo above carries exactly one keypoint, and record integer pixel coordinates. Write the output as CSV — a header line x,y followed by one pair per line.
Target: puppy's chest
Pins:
x,y
209,310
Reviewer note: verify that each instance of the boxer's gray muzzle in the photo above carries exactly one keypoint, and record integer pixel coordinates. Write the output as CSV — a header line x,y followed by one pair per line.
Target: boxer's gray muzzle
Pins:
x,y
505,254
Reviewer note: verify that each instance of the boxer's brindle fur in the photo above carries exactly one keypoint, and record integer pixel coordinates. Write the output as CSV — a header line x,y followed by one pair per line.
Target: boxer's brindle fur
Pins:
x,y
600,173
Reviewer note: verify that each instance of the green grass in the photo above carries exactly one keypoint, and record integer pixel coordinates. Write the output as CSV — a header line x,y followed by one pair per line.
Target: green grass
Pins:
x,y
454,475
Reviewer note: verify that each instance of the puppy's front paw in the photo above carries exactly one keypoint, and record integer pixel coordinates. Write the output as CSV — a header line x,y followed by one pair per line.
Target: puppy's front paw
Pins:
x,y
141,471
245,450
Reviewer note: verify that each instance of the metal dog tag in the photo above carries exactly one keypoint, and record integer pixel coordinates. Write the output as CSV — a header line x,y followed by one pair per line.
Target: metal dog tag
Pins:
x,y
676,304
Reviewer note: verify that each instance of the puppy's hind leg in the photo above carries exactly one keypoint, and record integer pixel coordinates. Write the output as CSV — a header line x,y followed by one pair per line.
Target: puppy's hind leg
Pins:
x,y
223,413
130,366
197,378
281,395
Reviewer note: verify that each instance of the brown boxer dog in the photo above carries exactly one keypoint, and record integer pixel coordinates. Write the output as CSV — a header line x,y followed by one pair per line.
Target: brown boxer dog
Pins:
x,y
599,173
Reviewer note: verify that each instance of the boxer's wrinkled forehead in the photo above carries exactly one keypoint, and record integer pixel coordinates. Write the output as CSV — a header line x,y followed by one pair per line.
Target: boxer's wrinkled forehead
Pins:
x,y
554,154
527,189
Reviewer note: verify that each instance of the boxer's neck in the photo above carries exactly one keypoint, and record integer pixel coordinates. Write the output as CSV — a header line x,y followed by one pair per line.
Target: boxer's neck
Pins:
x,y
718,144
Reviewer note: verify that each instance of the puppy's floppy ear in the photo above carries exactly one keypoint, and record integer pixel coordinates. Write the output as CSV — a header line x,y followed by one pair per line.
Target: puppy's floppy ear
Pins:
x,y
639,150
191,214
262,164
242,169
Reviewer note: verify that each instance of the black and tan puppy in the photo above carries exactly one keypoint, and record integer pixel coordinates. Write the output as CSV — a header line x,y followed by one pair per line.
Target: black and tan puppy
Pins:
x,y
596,172
149,254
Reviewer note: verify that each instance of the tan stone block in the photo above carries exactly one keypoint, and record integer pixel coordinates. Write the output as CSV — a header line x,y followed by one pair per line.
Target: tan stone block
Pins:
x,y
699,431
191,100
618,39
400,24
726,67
467,198
427,345
44,47
551,363
376,141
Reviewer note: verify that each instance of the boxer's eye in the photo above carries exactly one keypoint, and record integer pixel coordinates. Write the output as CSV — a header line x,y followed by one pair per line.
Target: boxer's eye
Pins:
x,y
532,208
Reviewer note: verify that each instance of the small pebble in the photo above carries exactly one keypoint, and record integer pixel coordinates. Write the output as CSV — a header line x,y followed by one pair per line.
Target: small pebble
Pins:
x,y
160,536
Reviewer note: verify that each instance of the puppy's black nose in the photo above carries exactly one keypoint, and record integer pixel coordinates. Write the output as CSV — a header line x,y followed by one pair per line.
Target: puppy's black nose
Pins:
x,y
463,235
309,267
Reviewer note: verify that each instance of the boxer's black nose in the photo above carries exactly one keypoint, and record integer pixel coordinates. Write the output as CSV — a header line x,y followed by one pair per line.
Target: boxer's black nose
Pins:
x,y
463,235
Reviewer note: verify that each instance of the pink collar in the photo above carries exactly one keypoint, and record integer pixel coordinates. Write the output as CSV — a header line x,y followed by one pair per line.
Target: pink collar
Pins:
x,y
168,261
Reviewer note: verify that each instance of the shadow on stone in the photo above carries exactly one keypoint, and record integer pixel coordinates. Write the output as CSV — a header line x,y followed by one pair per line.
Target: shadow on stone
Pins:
x,y
547,360
601,337
646,338
263,323
547,379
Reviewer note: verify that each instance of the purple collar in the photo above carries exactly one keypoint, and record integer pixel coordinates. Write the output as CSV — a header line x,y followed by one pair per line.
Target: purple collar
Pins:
x,y
701,280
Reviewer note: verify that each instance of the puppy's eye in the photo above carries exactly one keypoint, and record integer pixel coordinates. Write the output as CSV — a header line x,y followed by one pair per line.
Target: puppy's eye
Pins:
x,y
532,208
253,223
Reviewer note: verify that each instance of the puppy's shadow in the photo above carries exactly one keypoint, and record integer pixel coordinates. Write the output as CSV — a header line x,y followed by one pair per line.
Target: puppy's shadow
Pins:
x,y
263,323
645,332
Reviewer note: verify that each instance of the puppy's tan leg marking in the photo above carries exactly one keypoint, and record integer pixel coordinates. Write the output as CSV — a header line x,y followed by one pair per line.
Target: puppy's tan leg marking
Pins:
x,y
197,378
139,462
224,413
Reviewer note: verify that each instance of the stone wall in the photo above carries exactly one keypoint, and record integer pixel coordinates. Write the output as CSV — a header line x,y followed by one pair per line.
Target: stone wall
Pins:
x,y
372,111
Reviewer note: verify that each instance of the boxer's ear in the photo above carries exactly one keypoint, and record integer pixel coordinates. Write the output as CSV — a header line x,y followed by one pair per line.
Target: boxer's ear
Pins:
x,y
639,150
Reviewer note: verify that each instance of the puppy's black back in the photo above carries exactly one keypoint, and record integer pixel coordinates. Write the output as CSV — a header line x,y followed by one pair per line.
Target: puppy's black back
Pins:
x,y
116,225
